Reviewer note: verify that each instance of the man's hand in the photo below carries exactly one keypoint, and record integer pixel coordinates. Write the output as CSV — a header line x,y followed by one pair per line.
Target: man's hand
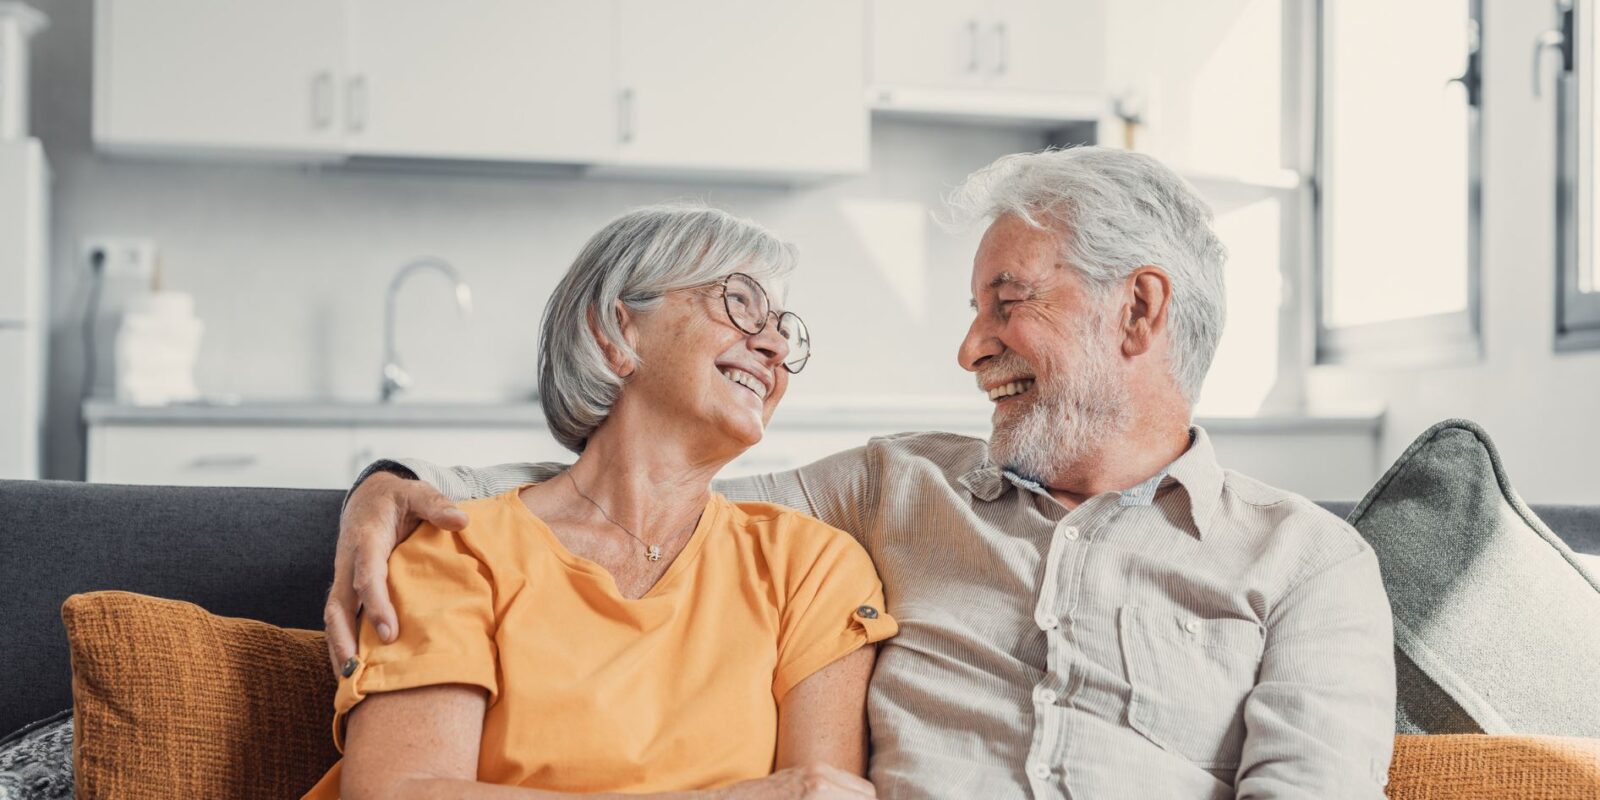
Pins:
x,y
379,515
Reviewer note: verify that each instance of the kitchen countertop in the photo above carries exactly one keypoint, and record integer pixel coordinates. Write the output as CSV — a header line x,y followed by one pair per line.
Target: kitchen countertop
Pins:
x,y
962,415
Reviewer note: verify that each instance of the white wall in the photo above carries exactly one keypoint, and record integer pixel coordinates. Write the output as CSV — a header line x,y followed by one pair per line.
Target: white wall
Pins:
x,y
1542,408
288,265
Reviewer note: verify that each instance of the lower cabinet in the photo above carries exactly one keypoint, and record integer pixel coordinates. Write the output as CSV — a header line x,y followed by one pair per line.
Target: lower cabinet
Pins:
x,y
311,457
215,455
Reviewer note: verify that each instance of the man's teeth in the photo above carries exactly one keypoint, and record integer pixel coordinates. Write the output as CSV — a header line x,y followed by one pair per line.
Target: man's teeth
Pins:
x,y
746,380
1008,389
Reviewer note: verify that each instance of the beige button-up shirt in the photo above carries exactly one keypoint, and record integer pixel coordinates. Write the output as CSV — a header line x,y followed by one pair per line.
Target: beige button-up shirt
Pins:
x,y
1201,635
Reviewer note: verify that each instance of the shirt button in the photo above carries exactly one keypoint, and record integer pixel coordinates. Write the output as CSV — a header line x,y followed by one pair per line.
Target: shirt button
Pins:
x,y
1040,771
1192,626
867,612
1071,532
1045,697
1049,622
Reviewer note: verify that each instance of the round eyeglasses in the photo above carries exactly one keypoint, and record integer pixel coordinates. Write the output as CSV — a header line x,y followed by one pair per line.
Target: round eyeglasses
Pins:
x,y
748,310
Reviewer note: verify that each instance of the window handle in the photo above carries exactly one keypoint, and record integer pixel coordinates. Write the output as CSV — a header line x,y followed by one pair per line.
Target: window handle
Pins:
x,y
1547,41
1471,78
1558,40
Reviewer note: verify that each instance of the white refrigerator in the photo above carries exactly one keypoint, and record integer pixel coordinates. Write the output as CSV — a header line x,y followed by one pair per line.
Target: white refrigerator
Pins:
x,y
24,226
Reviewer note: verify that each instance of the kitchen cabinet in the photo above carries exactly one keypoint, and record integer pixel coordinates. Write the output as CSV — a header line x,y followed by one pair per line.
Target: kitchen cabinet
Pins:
x,y
725,85
1024,60
310,456
221,455
325,445
637,86
502,80
199,76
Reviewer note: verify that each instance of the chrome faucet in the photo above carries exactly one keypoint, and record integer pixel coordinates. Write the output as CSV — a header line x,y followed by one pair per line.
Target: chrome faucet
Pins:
x,y
395,378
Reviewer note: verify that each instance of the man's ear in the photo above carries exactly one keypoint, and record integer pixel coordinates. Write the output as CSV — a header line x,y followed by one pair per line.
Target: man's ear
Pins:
x,y
619,361
1145,316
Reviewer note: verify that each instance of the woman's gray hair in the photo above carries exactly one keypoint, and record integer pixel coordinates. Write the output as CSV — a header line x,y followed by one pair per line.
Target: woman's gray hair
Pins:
x,y
1116,211
635,259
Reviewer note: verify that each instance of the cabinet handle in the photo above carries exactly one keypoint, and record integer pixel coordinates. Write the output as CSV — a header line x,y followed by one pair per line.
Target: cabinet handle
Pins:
x,y
972,46
355,98
625,116
322,100
234,461
1002,44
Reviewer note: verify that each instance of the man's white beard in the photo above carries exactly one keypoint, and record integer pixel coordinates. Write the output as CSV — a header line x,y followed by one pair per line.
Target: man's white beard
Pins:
x,y
1073,413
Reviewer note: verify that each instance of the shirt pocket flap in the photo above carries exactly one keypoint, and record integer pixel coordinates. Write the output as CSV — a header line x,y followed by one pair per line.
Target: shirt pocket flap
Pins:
x,y
1188,678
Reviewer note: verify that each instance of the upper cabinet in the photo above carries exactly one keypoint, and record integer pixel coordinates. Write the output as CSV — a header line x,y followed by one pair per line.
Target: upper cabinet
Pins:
x,y
1009,59
734,85
201,76
722,87
501,80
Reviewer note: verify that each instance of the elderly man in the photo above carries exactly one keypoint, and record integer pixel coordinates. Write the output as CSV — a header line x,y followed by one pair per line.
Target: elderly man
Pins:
x,y
1089,605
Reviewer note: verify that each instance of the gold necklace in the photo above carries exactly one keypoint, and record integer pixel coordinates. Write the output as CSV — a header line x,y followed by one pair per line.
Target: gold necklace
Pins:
x,y
652,551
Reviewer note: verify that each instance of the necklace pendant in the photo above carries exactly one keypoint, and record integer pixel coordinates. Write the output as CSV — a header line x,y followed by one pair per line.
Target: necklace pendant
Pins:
x,y
655,553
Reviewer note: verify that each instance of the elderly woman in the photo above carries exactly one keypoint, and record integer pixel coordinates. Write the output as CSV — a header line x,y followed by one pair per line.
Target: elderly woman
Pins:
x,y
621,627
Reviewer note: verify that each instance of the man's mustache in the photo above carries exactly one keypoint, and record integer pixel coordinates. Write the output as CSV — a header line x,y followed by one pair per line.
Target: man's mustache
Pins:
x,y
1005,365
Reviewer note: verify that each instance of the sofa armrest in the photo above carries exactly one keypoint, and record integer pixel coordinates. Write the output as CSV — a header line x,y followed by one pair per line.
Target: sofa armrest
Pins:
x,y
1478,767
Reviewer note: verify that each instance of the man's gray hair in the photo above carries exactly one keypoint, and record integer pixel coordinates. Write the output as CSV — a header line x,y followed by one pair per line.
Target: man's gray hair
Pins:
x,y
1116,211
635,259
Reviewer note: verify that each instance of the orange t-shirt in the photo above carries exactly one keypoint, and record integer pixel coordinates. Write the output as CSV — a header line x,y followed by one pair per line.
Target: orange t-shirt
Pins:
x,y
590,691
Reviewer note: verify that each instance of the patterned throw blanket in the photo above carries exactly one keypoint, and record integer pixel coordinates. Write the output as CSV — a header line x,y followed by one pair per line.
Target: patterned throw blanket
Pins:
x,y
36,761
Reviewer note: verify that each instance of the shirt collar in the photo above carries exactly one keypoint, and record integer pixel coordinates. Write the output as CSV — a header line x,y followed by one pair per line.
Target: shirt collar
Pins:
x,y
1196,470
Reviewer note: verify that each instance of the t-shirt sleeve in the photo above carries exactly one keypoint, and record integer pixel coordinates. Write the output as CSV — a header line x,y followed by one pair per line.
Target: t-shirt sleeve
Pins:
x,y
444,598
833,602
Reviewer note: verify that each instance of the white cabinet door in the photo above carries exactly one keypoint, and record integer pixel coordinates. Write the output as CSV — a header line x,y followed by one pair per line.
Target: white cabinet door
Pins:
x,y
218,455
202,75
1008,59
1049,46
739,85
930,44
516,80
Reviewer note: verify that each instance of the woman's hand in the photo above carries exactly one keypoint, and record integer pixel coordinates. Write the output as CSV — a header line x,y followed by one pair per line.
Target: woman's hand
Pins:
x,y
809,782
382,511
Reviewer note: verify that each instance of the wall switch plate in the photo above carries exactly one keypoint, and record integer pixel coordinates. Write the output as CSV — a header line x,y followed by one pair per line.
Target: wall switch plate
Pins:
x,y
125,259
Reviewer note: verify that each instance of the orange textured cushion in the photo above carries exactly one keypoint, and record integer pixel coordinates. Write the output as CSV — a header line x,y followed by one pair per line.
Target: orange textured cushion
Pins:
x,y
171,701
1475,767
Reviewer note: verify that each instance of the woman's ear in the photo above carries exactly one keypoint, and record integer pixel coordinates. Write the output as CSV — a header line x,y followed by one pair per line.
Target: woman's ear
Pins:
x,y
619,360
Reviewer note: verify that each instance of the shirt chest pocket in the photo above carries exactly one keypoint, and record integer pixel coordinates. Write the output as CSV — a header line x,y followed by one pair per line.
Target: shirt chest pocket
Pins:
x,y
1190,677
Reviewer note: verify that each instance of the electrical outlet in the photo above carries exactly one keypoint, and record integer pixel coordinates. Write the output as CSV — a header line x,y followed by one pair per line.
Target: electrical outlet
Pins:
x,y
122,259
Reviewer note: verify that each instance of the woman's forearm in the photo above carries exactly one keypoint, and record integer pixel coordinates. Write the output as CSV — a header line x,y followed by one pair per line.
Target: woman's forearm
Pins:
x,y
436,788
783,785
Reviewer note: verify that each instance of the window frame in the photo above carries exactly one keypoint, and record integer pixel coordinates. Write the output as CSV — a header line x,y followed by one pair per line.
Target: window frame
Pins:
x,y
1449,338
1577,313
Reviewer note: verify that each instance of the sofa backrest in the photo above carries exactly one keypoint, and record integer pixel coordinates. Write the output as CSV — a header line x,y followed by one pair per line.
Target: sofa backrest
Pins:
x,y
265,554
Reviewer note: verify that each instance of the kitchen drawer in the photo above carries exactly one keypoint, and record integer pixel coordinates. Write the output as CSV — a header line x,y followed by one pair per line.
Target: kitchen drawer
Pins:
x,y
206,455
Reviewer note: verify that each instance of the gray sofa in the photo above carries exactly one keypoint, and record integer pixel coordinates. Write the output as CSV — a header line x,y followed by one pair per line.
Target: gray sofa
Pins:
x,y
260,553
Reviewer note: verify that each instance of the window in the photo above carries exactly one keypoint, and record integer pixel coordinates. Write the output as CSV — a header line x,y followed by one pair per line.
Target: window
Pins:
x,y
1578,89
1397,181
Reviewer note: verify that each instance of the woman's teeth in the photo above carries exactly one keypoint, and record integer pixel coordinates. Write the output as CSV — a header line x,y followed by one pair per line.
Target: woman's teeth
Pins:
x,y
1008,389
746,380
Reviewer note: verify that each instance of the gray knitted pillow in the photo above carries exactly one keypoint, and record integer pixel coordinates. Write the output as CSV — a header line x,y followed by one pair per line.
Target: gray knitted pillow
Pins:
x,y
1497,626
36,761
